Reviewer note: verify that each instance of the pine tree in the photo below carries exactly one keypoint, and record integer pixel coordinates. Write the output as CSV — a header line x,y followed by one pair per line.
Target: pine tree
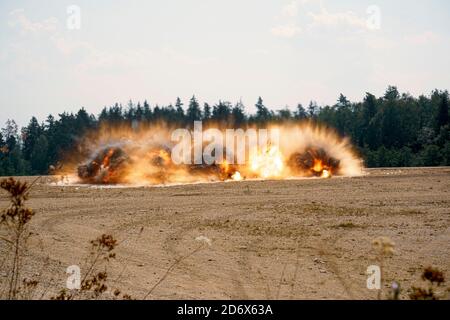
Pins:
x,y
83,121
238,114
179,112
262,113
206,112
39,156
10,134
193,112
300,113
343,116
284,114
50,132
147,112
221,112
312,109
115,114
2,144
139,114
3,155
442,115
130,113
103,116
30,134
343,101
391,93
369,107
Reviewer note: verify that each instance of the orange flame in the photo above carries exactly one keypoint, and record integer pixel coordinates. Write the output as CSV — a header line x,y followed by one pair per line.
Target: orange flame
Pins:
x,y
127,156
318,166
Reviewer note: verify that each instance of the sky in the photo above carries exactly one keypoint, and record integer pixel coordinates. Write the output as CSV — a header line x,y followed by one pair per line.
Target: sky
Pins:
x,y
62,55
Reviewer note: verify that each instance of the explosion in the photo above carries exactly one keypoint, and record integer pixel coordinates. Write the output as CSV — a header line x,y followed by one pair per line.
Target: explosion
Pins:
x,y
122,155
267,163
316,161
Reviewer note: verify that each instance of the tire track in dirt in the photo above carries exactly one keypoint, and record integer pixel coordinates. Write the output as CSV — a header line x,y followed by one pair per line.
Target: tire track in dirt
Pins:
x,y
175,238
192,222
412,213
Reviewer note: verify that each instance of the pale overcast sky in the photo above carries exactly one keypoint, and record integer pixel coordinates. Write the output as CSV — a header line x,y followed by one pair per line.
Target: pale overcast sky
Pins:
x,y
286,51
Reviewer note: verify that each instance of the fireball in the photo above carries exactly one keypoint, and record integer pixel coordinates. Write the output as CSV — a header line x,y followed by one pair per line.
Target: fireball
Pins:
x,y
267,163
236,176
143,157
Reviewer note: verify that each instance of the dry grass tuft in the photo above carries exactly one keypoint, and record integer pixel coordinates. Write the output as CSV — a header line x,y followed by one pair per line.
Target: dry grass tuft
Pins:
x,y
434,279
383,248
14,221
94,283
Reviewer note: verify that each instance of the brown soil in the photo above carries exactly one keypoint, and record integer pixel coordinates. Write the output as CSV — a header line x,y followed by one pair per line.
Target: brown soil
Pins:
x,y
295,239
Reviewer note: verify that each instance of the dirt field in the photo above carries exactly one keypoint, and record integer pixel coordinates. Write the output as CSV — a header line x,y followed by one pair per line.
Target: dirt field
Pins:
x,y
296,239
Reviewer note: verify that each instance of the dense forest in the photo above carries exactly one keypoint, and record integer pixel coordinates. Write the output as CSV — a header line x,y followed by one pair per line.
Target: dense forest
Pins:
x,y
389,131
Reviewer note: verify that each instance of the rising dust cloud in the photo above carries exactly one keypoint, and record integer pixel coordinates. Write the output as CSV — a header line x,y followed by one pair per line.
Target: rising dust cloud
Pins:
x,y
142,156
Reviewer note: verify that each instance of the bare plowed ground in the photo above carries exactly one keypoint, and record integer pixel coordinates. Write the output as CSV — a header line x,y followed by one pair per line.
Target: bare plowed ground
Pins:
x,y
295,239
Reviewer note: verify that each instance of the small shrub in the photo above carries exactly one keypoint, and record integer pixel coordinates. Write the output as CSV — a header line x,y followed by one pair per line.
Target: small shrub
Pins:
x,y
14,220
434,278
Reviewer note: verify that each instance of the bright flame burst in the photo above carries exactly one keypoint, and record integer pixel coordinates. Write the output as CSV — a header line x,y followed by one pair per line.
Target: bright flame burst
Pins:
x,y
122,155
236,176
320,169
267,163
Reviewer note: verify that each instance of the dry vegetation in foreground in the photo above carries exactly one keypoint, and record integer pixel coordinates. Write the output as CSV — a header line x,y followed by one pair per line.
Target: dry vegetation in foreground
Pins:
x,y
95,283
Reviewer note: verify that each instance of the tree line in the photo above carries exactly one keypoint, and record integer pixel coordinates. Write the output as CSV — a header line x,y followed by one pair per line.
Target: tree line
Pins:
x,y
395,130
